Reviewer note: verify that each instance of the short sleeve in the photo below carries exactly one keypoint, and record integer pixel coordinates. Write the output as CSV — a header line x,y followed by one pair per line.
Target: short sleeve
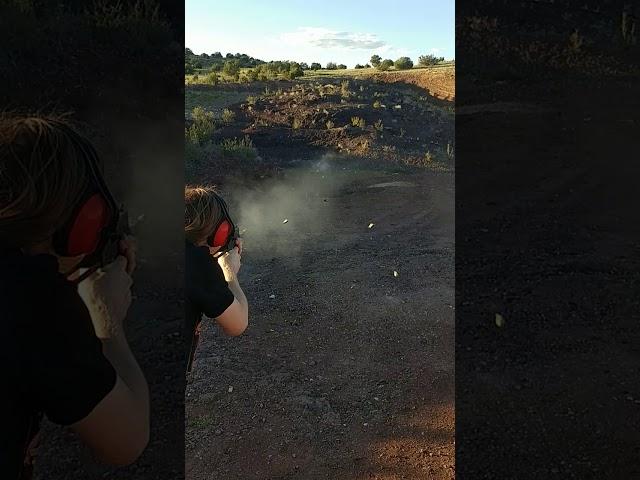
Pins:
x,y
207,288
68,373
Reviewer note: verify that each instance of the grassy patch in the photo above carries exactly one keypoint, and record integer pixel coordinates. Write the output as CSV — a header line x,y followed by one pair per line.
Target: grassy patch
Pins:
x,y
203,421
234,148
358,122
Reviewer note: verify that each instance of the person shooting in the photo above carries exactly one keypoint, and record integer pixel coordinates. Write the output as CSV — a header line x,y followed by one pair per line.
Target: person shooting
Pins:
x,y
65,288
212,261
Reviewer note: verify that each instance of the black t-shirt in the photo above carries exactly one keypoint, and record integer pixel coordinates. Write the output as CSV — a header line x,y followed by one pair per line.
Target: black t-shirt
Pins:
x,y
50,358
207,290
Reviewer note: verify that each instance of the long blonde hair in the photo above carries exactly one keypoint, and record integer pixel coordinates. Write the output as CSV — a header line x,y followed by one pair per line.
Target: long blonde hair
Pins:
x,y
43,173
201,212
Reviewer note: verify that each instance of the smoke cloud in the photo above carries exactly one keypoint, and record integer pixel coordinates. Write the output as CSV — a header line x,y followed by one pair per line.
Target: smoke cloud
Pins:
x,y
279,217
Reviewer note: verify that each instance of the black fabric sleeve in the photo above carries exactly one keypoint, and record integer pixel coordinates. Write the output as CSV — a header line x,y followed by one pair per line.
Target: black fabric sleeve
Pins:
x,y
206,285
69,374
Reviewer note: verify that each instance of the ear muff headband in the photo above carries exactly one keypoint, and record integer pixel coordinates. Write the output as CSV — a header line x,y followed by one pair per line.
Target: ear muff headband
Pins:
x,y
96,211
224,234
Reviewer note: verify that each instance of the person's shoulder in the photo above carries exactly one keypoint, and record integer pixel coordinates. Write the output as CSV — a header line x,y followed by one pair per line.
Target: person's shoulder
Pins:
x,y
29,272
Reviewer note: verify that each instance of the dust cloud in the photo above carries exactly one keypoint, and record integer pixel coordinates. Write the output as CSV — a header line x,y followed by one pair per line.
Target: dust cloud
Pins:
x,y
279,217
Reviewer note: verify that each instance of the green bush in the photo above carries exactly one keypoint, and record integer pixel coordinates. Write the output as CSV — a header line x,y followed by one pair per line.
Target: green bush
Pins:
x,y
228,116
231,68
202,126
385,65
295,71
315,66
426,60
375,60
211,78
239,149
252,74
342,66
403,63
332,66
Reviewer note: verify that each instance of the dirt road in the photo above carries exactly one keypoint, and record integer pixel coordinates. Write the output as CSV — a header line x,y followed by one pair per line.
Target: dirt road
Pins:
x,y
347,370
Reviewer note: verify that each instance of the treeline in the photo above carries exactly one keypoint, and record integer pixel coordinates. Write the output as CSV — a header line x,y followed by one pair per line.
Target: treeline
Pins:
x,y
404,63
216,61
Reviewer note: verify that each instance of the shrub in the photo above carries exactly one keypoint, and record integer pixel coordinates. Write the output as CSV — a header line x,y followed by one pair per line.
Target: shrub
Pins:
x,y
330,124
375,60
342,66
295,71
358,66
202,126
385,65
239,149
426,60
344,89
379,126
251,100
403,63
252,74
358,122
228,116
231,68
332,66
315,66
428,157
211,78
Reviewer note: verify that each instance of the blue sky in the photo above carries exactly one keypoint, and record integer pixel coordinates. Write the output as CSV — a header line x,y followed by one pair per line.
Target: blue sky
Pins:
x,y
346,31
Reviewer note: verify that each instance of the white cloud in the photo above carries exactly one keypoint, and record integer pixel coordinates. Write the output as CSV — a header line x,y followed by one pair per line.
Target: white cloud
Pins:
x,y
325,38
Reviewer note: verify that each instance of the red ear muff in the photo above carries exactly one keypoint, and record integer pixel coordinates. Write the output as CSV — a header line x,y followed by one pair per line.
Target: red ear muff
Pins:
x,y
91,219
221,235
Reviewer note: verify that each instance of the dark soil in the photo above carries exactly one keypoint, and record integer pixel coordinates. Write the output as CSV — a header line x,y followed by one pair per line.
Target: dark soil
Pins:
x,y
546,235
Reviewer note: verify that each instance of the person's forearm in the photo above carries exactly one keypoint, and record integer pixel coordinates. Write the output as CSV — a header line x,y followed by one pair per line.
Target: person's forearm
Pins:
x,y
117,351
234,286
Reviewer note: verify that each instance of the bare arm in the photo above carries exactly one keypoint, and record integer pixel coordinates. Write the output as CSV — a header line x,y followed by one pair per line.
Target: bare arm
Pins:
x,y
235,319
117,430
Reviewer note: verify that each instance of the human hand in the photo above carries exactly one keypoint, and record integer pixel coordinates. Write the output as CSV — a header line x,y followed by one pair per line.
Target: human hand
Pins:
x,y
230,264
107,295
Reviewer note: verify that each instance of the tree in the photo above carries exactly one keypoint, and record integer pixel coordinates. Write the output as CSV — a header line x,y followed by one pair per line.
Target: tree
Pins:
x,y
231,68
359,66
426,60
385,65
332,66
304,66
375,60
295,71
403,63
315,66
342,66
188,68
252,74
